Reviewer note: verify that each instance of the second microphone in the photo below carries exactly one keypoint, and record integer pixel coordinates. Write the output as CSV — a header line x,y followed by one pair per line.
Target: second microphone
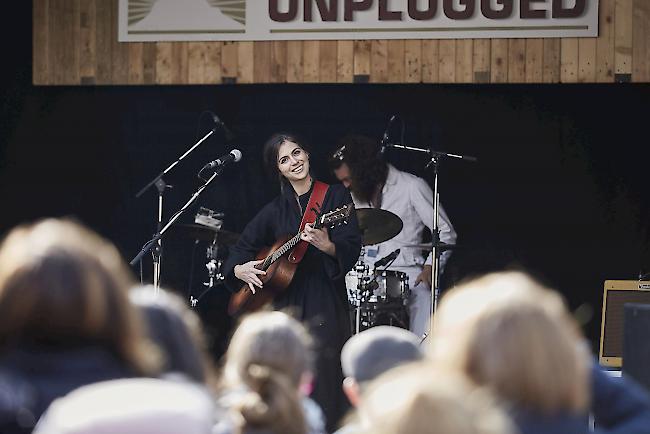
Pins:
x,y
232,156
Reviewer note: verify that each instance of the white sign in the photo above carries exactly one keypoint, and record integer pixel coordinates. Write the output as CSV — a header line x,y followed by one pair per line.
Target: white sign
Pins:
x,y
264,20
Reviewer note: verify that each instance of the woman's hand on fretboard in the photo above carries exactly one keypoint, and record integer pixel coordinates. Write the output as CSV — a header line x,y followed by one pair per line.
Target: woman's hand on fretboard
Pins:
x,y
319,238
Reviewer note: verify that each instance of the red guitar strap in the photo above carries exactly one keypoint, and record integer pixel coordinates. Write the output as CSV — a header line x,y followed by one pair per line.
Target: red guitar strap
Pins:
x,y
315,203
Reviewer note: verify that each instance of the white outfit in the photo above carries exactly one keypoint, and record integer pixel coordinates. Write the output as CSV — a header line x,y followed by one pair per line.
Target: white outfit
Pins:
x,y
411,199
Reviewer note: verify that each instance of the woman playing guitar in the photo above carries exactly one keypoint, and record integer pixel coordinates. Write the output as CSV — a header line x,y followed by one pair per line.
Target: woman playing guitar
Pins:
x,y
317,290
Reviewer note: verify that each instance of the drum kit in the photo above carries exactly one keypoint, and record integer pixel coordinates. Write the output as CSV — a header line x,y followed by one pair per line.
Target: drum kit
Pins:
x,y
207,228
377,297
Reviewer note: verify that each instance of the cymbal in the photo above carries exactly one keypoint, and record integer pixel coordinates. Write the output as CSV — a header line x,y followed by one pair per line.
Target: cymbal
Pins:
x,y
378,225
428,246
206,233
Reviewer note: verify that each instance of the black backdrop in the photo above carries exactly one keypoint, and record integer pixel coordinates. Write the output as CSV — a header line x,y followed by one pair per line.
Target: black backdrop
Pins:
x,y
560,188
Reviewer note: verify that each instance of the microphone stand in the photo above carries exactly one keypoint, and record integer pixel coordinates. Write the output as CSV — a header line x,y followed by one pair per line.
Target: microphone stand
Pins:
x,y
161,185
434,163
149,244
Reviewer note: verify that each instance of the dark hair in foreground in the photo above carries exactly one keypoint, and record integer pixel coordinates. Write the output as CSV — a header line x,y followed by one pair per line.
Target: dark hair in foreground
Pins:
x,y
178,331
62,285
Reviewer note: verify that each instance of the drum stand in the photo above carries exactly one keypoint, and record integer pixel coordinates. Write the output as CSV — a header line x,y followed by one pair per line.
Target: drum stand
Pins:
x,y
362,271
437,246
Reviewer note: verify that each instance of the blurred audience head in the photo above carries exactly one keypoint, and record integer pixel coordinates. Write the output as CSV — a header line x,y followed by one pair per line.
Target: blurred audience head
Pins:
x,y
372,352
271,355
508,332
178,331
418,398
61,285
132,406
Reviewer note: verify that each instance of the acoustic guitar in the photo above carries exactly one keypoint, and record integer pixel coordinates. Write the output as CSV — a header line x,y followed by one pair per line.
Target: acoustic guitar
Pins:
x,y
279,270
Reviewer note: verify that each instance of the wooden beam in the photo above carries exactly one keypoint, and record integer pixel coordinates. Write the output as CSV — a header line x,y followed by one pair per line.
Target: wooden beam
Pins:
x,y
516,60
345,62
327,73
245,62
481,60
569,60
464,61
534,60
413,61
499,61
552,62
447,61
641,38
623,37
40,48
605,42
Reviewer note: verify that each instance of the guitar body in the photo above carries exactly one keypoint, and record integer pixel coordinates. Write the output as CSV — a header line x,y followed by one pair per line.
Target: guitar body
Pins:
x,y
277,279
280,271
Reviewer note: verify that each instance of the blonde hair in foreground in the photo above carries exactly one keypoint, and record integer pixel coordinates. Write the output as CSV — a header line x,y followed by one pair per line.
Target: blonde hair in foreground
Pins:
x,y
508,332
63,285
422,399
269,354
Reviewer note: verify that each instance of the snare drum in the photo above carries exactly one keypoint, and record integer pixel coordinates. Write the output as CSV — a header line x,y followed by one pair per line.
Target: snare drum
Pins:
x,y
392,286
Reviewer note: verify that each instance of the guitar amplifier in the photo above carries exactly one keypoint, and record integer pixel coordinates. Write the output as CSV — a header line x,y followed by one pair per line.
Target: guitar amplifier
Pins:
x,y
636,346
616,294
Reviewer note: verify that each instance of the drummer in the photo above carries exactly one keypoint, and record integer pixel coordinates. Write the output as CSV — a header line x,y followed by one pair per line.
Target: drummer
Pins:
x,y
374,183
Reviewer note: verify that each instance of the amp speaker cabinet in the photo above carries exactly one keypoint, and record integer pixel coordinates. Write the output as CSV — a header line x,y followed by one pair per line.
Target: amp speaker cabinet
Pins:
x,y
616,294
636,343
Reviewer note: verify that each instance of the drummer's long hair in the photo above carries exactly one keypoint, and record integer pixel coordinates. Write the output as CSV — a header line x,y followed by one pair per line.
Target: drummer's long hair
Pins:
x,y
270,153
368,171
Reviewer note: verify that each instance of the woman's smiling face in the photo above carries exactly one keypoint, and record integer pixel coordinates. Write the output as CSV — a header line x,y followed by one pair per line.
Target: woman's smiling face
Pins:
x,y
293,161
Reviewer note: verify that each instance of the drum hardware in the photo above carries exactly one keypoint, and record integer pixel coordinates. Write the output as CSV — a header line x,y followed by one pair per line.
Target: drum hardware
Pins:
x,y
206,233
207,227
428,246
379,297
435,158
213,265
209,218
377,225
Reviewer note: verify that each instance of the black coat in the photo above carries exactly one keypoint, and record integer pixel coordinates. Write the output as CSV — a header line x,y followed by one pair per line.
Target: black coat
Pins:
x,y
32,377
318,287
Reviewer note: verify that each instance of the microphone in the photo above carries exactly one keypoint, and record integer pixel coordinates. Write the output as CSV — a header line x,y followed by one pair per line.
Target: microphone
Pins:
x,y
386,259
226,131
234,155
384,138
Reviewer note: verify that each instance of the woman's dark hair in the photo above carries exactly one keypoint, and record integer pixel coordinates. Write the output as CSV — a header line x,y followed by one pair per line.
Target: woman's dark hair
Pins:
x,y
270,154
367,169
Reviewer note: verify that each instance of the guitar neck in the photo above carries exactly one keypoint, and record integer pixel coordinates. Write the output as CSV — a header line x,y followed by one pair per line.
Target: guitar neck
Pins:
x,y
277,254
327,219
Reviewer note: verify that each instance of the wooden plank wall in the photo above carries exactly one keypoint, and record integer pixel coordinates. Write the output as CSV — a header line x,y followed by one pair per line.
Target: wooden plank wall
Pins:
x,y
75,43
